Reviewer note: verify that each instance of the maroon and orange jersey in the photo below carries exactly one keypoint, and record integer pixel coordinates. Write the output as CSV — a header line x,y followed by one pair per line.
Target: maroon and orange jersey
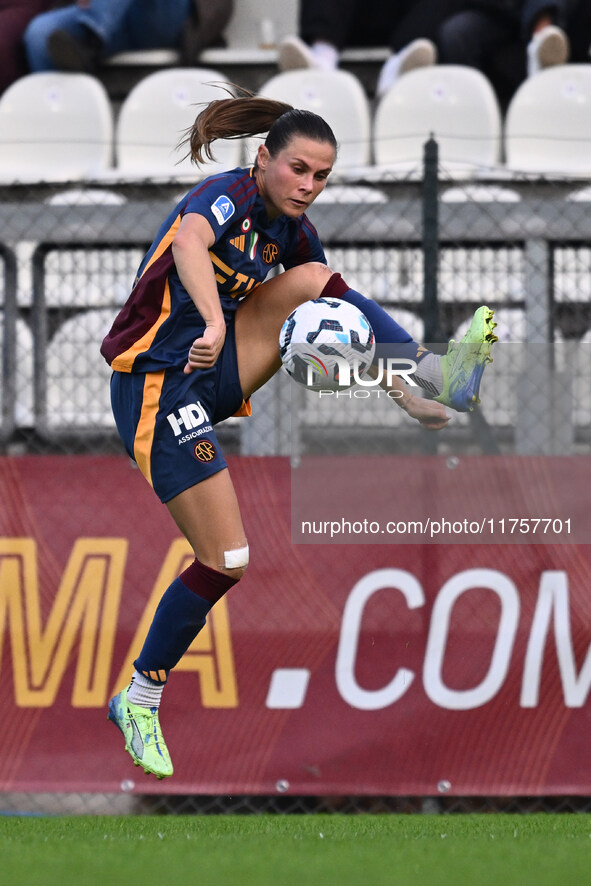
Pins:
x,y
159,322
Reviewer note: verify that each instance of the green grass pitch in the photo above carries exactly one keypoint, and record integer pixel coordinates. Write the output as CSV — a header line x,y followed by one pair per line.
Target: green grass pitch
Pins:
x,y
297,850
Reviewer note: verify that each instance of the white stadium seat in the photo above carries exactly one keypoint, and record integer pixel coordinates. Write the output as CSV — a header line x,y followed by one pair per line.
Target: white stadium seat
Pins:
x,y
261,23
55,127
87,277
548,122
455,104
384,273
481,273
23,377
339,98
572,273
155,117
77,376
581,375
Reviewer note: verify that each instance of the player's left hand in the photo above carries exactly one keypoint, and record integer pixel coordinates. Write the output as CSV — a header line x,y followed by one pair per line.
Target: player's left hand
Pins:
x,y
429,413
204,351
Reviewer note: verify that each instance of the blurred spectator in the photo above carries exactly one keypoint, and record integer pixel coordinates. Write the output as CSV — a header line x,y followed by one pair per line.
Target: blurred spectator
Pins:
x,y
326,27
509,40
15,15
204,27
576,15
78,36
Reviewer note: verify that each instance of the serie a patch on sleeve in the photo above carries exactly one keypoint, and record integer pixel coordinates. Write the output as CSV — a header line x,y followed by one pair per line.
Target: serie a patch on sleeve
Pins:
x,y
223,209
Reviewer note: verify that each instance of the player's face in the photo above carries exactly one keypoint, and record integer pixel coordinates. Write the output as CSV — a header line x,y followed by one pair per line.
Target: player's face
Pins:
x,y
291,181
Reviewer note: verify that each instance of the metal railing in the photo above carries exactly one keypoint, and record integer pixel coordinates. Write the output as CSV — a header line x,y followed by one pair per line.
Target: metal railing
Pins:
x,y
429,249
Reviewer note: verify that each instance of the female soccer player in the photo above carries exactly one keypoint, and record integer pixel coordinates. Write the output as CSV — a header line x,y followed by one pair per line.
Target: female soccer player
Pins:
x,y
199,334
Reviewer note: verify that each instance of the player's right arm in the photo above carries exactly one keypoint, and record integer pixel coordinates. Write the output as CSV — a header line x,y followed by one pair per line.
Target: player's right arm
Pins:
x,y
190,249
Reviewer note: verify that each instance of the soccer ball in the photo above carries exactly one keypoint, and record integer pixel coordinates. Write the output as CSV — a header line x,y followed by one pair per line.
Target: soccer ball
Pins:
x,y
324,343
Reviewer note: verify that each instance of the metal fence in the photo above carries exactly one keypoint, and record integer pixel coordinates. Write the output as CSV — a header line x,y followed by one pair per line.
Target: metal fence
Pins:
x,y
427,246
175,804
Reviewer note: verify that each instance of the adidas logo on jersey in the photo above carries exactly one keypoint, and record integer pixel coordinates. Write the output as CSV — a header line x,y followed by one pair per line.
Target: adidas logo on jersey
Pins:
x,y
239,242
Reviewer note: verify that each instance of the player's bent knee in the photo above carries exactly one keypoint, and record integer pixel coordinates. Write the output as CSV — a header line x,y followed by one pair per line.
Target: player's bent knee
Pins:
x,y
311,277
320,273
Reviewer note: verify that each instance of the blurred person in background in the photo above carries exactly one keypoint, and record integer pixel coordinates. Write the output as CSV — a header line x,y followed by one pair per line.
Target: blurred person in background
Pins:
x,y
327,27
509,40
79,36
15,15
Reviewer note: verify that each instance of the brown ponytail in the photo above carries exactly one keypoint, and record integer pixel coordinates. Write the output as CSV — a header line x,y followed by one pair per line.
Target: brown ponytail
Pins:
x,y
246,115
237,117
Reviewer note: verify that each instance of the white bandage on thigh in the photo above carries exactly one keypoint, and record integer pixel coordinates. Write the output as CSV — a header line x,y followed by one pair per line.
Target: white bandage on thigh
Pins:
x,y
237,559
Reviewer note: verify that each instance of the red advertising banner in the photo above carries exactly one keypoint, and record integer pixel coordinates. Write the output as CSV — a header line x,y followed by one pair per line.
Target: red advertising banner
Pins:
x,y
402,669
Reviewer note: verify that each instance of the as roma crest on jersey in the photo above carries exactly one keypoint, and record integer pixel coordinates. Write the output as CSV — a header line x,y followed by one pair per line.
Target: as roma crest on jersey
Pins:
x,y
270,253
205,451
